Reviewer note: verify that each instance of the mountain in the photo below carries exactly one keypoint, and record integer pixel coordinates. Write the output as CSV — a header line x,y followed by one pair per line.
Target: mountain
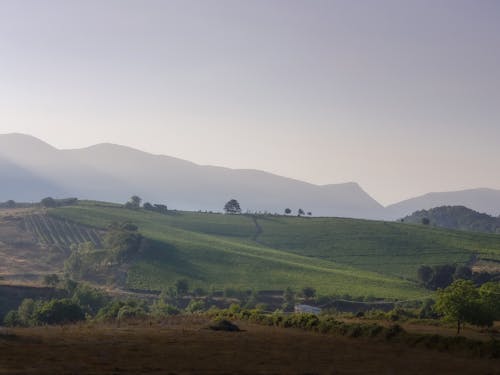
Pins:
x,y
481,200
32,169
456,217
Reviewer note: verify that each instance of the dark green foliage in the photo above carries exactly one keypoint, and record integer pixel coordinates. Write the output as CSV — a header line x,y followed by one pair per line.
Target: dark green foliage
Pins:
x,y
425,221
51,280
182,287
134,203
308,292
195,306
427,310
439,276
288,211
90,299
224,325
457,217
232,207
123,241
160,309
462,302
119,310
48,202
288,299
300,212
463,273
159,208
425,274
58,311
12,319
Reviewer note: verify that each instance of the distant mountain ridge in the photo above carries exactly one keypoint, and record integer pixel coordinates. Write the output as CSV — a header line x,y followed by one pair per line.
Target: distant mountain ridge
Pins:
x,y
456,217
481,200
32,169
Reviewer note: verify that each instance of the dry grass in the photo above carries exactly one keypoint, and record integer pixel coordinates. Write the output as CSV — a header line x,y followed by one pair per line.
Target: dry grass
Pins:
x,y
184,346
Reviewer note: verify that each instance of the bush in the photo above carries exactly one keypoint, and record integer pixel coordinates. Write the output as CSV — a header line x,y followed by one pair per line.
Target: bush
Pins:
x,y
58,311
195,306
160,309
12,319
224,325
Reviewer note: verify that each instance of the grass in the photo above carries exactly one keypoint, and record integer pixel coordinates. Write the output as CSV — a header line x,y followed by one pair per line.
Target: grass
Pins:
x,y
183,345
337,256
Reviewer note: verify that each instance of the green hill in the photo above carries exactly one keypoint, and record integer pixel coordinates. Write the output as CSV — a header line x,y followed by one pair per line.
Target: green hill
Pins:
x,y
337,256
456,217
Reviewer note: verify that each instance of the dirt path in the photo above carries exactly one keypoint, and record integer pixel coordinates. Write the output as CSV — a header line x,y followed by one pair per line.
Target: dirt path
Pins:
x,y
258,229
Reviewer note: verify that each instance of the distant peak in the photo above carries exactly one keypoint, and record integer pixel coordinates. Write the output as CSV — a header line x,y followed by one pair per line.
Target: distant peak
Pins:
x,y
23,140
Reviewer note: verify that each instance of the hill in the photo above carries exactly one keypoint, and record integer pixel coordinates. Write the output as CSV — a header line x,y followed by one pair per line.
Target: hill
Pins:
x,y
481,200
456,217
337,256
33,169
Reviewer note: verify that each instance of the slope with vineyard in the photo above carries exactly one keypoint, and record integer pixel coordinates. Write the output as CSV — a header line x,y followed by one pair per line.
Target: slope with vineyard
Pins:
x,y
337,256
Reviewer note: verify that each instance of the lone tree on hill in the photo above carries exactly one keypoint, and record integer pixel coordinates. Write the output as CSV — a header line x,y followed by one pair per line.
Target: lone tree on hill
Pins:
x,y
232,207
288,211
134,203
48,202
301,212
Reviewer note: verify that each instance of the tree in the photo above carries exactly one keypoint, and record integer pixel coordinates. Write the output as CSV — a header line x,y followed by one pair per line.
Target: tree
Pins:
x,y
232,207
51,280
425,274
309,213
288,299
58,311
301,212
134,203
462,272
10,204
182,287
490,296
460,302
288,211
48,202
148,206
425,221
308,292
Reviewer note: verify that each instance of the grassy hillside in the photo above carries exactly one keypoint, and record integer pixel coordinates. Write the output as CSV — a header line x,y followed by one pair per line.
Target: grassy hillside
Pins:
x,y
456,217
335,255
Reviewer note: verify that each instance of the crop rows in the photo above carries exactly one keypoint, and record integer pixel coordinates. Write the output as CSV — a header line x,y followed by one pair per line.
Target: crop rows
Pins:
x,y
61,233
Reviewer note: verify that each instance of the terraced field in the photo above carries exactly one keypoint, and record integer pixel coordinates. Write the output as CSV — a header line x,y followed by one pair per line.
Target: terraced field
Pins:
x,y
52,231
337,256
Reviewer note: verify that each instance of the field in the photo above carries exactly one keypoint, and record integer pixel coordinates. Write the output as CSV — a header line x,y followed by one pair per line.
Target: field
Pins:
x,y
337,256
183,345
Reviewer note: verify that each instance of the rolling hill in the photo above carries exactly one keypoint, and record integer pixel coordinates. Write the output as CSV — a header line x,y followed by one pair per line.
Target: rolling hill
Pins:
x,y
337,256
456,217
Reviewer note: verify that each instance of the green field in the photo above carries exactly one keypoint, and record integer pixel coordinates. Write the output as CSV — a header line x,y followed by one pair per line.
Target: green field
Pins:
x,y
337,256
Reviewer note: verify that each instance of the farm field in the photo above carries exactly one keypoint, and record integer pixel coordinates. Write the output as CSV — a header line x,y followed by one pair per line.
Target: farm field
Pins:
x,y
183,345
337,256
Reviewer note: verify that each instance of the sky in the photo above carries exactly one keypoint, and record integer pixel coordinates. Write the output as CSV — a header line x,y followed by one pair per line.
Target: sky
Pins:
x,y
400,96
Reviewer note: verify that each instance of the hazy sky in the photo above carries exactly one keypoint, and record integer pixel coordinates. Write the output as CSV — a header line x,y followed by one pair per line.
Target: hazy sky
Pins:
x,y
402,97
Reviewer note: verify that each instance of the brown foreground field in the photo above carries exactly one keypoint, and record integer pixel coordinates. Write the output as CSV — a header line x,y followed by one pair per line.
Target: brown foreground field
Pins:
x,y
184,346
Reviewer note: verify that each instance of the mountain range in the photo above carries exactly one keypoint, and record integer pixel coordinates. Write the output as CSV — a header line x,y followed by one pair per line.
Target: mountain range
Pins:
x,y
32,169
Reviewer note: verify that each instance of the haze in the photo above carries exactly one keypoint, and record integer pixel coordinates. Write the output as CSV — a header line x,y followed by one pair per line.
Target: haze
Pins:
x,y
400,96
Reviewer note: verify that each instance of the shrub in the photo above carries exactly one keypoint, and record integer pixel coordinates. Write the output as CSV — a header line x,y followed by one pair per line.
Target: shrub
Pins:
x,y
58,311
224,325
12,319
